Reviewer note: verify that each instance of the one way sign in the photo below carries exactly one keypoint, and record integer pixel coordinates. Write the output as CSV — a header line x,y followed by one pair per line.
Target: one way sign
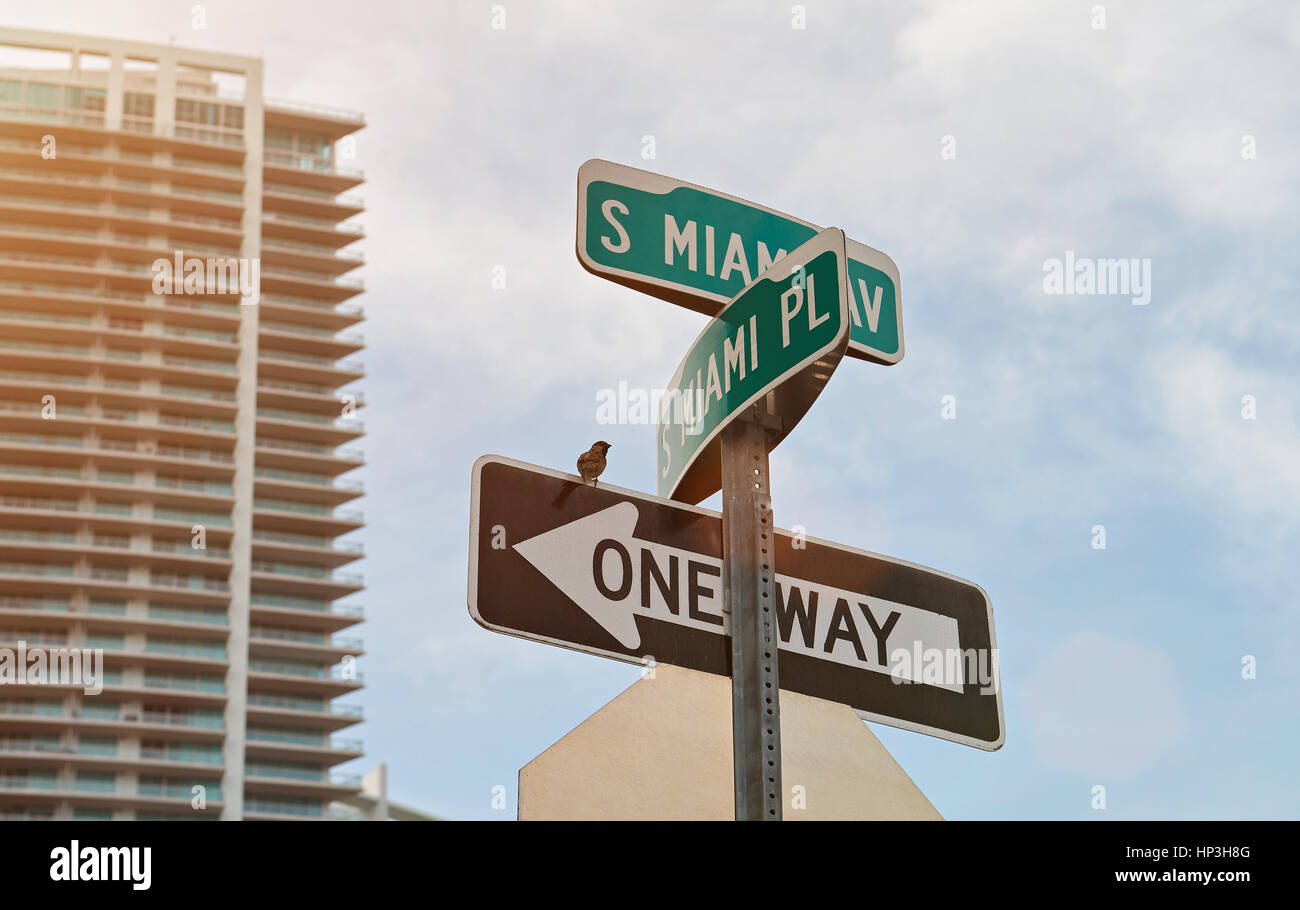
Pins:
x,y
636,578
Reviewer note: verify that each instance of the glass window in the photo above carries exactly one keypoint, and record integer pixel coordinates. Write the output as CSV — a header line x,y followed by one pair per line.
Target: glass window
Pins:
x,y
314,144
92,815
41,95
99,783
11,91
97,710
107,640
279,139
137,104
89,99
97,745
234,117
108,607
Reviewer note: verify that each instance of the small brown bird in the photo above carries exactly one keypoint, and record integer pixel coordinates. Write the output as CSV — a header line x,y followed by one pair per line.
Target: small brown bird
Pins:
x,y
591,463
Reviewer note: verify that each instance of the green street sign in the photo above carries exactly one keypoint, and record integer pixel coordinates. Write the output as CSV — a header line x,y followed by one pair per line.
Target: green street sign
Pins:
x,y
779,339
698,248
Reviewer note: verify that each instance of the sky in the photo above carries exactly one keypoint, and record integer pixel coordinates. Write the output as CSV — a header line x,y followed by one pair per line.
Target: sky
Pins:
x,y
973,143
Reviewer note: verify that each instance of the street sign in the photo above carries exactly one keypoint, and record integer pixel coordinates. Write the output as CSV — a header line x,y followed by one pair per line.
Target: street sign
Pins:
x,y
636,578
783,336
698,248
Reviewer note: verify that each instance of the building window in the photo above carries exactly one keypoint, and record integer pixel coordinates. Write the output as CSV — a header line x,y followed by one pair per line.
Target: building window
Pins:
x,y
314,144
97,745
88,99
279,139
98,783
41,95
92,815
138,104
204,112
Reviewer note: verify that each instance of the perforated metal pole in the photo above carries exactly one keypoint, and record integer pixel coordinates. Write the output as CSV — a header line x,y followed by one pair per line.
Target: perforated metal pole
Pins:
x,y
748,574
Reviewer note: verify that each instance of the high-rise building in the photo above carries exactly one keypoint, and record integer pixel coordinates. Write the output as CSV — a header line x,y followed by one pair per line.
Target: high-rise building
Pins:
x,y
175,413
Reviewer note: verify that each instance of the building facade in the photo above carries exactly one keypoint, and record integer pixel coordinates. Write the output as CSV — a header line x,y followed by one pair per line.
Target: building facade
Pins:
x,y
176,417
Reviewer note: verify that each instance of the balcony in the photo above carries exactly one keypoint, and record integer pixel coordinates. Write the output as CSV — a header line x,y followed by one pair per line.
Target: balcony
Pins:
x,y
165,551
307,420
36,785
314,719
299,201
90,718
277,106
310,512
298,744
115,453
291,455
290,580
316,341
172,498
307,229
271,643
280,278
319,308
321,607
283,365
269,809
294,168
323,551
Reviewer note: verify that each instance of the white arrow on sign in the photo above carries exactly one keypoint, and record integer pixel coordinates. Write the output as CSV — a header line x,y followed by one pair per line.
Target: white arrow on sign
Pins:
x,y
614,577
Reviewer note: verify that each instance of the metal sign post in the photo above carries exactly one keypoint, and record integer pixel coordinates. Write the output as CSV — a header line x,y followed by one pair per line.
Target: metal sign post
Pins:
x,y
748,595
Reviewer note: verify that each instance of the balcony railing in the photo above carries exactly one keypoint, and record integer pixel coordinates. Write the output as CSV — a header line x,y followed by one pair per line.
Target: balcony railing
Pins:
x,y
299,162
291,445
303,508
329,363
316,249
280,668
312,331
302,540
298,603
278,271
321,110
307,388
191,583
343,309
320,224
312,573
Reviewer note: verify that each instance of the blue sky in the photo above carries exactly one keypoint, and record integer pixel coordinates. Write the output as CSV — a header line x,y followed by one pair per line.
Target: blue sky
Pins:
x,y
1120,667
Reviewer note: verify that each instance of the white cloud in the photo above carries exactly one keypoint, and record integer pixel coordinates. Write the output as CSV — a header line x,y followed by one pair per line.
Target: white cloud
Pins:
x,y
1248,464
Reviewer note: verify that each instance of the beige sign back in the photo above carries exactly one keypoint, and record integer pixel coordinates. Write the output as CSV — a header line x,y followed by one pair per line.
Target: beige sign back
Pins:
x,y
661,750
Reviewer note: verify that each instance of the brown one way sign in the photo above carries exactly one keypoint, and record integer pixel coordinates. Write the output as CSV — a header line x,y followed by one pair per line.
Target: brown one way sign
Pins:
x,y
637,578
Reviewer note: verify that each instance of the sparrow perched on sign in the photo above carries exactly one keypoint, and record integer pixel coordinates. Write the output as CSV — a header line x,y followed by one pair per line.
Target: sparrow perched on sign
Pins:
x,y
591,463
